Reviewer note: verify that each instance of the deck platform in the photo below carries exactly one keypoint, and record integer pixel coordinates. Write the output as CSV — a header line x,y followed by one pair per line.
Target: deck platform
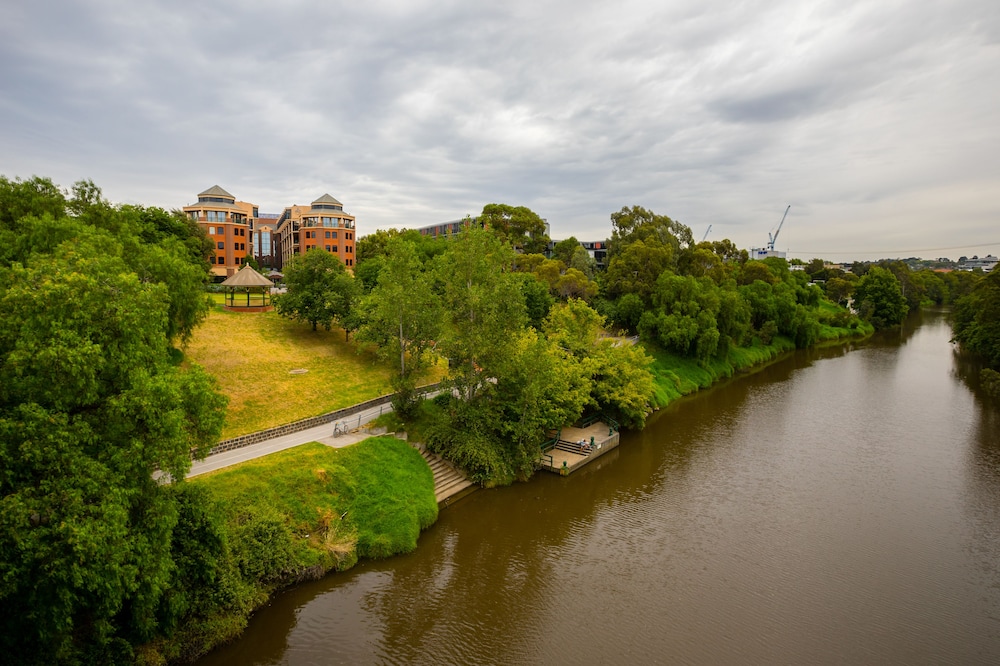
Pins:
x,y
569,456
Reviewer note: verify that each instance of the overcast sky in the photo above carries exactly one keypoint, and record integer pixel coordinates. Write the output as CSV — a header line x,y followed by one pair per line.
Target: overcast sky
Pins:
x,y
878,121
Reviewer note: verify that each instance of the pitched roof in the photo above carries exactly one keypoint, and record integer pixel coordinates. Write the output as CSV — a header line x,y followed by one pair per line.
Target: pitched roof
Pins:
x,y
326,199
216,191
247,277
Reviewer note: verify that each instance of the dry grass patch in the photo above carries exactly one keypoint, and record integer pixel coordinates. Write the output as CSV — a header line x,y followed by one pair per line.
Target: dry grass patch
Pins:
x,y
252,354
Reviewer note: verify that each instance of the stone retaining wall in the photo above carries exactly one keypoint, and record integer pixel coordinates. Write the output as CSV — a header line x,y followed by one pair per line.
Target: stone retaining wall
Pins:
x,y
305,424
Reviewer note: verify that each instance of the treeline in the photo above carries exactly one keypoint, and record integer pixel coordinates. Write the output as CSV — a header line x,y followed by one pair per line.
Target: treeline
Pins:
x,y
976,324
519,362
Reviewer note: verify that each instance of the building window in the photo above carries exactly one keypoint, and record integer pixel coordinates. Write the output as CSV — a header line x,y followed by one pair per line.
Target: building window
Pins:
x,y
334,249
327,234
220,245
334,234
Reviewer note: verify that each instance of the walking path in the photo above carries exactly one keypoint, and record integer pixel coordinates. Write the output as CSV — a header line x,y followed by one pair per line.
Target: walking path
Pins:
x,y
449,482
322,433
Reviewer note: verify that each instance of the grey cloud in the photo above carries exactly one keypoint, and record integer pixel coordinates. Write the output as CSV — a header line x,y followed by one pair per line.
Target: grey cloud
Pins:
x,y
413,112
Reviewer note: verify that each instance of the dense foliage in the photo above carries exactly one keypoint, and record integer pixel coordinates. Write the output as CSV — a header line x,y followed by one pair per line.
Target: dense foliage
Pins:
x,y
524,353
977,319
320,291
91,404
878,296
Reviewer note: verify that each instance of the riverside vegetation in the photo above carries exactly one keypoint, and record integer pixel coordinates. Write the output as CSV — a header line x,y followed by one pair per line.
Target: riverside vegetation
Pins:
x,y
99,564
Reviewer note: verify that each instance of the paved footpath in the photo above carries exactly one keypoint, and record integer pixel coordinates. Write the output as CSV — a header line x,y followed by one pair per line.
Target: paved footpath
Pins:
x,y
323,433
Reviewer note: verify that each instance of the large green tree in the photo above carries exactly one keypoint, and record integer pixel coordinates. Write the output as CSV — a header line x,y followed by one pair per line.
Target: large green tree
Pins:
x,y
320,291
977,319
484,308
402,315
878,298
91,405
518,225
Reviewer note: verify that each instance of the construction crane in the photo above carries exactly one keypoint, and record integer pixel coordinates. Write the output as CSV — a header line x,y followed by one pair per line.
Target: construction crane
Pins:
x,y
706,233
772,239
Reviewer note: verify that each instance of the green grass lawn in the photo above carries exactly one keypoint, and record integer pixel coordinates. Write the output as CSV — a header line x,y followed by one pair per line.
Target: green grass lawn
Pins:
x,y
252,355
381,486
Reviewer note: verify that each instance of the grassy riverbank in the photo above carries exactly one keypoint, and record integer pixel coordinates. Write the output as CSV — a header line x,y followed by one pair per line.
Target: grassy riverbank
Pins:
x,y
252,355
675,376
296,515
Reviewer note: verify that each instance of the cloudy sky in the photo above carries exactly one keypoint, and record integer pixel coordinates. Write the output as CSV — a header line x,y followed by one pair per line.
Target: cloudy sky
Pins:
x,y
878,121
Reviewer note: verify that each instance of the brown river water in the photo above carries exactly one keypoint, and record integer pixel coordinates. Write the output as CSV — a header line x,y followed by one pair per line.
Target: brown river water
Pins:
x,y
839,506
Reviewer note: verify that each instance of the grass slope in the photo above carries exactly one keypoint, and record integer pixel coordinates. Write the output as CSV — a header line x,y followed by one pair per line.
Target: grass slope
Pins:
x,y
288,517
675,376
381,486
251,355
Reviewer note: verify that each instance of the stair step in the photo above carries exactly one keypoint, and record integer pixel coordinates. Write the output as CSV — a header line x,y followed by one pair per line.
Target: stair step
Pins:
x,y
448,481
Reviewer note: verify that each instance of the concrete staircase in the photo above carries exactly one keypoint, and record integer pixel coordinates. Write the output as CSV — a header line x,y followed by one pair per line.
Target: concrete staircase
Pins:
x,y
572,447
449,483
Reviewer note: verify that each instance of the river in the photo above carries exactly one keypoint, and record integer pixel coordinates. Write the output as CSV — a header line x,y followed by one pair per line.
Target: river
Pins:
x,y
841,505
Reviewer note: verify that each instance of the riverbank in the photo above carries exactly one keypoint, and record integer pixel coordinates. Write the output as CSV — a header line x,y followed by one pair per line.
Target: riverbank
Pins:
x,y
295,506
677,376
756,522
288,517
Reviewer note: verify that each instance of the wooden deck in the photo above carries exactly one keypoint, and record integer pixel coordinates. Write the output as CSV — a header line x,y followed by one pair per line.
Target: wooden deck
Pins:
x,y
569,455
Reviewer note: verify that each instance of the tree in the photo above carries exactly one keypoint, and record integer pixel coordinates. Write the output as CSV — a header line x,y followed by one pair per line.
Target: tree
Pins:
x,y
635,269
251,261
574,283
616,373
401,316
977,319
90,406
517,225
878,298
564,249
622,384
643,245
484,308
320,291
839,290
537,299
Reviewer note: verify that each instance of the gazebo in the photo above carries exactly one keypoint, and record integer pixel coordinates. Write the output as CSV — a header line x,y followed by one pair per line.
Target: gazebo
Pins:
x,y
252,282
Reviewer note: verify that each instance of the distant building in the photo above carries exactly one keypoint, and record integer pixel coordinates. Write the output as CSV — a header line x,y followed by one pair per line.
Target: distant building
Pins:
x,y
229,224
237,229
448,228
986,263
764,253
323,224
264,240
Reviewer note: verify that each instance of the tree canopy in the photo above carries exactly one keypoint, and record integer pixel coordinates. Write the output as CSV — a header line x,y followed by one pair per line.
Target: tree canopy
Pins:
x,y
320,291
977,319
878,298
91,403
